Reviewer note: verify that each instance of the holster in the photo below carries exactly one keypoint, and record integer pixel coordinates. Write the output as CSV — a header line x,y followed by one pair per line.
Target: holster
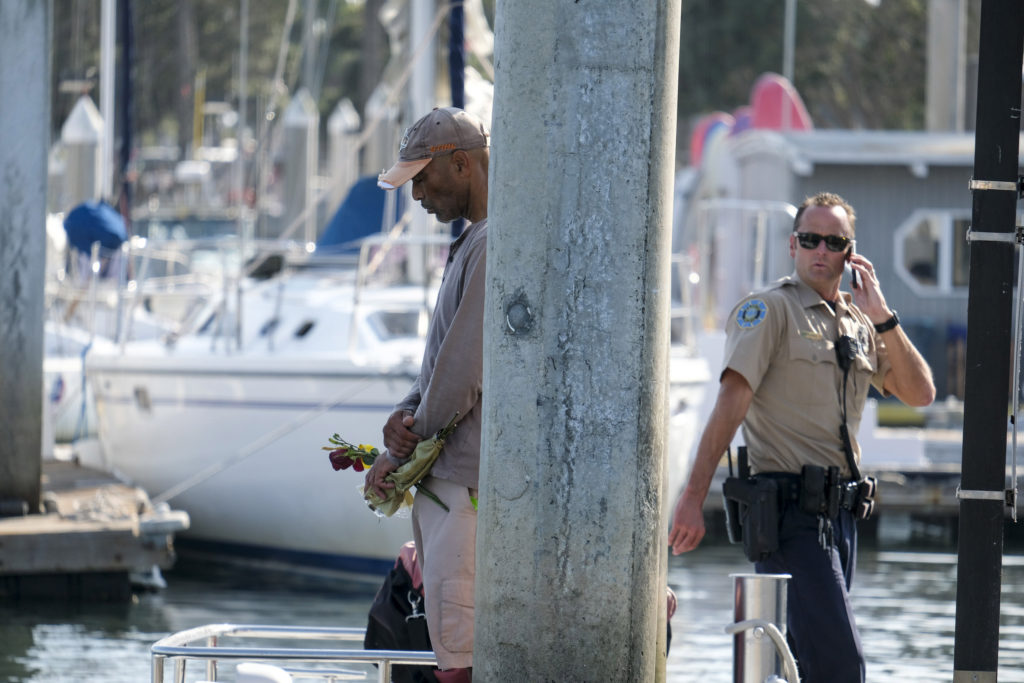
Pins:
x,y
754,514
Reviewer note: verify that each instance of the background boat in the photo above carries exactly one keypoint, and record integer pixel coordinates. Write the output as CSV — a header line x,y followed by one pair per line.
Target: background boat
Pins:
x,y
228,421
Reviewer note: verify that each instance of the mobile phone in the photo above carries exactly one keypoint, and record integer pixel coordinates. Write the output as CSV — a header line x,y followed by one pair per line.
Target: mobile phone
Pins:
x,y
853,273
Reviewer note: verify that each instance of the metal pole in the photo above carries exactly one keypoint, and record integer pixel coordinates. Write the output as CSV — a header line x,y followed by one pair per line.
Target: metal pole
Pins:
x,y
788,57
789,40
108,36
759,597
983,472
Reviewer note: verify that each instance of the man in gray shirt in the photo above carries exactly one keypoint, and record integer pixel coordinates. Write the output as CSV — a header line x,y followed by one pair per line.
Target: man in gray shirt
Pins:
x,y
445,154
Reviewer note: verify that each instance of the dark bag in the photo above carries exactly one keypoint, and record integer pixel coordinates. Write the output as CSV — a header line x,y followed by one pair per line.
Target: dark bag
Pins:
x,y
397,622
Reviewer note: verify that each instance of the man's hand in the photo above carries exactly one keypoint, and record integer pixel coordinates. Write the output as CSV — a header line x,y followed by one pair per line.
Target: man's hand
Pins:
x,y
398,438
687,525
868,295
377,475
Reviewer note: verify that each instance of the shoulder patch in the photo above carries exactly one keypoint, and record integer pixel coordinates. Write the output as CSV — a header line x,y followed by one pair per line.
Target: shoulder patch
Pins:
x,y
751,313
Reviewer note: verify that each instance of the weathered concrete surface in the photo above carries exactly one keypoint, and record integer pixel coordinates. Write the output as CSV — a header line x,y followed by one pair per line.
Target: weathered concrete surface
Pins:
x,y
24,142
571,549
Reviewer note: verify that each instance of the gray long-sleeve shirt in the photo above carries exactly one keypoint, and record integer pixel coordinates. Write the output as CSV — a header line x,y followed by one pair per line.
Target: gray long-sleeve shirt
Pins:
x,y
451,377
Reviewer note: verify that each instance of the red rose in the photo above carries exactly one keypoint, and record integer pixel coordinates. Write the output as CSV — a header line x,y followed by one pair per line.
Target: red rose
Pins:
x,y
341,461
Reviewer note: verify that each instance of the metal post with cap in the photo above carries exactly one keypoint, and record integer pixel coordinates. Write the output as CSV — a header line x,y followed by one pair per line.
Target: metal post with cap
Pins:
x,y
982,492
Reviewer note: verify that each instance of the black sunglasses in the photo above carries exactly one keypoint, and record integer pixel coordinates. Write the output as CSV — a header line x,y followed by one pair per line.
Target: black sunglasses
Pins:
x,y
811,240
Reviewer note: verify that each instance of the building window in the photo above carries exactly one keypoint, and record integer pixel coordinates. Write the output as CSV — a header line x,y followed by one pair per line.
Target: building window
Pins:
x,y
932,252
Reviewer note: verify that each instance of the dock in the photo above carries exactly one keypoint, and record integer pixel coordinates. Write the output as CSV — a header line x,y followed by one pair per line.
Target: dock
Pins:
x,y
96,539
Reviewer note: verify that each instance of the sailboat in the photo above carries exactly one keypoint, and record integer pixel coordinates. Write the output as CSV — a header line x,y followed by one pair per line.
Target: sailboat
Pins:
x,y
228,420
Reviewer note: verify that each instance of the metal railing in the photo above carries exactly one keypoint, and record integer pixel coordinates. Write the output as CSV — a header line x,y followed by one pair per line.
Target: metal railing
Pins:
x,y
760,651
203,644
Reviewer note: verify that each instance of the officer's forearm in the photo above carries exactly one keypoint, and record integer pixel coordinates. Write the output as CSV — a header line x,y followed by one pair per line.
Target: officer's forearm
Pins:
x,y
910,378
709,454
734,397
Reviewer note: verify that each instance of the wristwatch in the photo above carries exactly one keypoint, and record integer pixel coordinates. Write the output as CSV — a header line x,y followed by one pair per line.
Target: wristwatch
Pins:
x,y
888,324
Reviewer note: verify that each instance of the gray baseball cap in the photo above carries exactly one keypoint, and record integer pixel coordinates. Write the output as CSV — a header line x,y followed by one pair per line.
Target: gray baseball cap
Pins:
x,y
440,132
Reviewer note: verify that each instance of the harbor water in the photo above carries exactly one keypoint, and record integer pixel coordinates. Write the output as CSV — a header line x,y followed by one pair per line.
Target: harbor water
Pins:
x,y
905,603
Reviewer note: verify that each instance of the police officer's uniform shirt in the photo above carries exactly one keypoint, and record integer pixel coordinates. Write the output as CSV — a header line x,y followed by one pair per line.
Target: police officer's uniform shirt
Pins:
x,y
782,341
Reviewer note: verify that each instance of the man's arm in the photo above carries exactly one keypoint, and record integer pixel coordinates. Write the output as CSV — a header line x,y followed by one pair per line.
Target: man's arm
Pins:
x,y
734,397
910,378
456,383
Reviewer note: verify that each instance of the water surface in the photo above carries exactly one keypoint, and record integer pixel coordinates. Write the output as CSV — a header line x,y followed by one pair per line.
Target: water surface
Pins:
x,y
905,605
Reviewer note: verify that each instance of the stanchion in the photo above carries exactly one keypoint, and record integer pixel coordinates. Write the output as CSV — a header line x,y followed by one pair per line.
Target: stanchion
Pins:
x,y
760,652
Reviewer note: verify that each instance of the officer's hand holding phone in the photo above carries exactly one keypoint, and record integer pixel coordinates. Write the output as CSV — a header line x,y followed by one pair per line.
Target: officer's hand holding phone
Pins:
x,y
853,273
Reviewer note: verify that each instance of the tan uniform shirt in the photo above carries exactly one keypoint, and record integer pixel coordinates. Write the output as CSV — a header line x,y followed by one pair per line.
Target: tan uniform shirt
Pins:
x,y
451,377
782,341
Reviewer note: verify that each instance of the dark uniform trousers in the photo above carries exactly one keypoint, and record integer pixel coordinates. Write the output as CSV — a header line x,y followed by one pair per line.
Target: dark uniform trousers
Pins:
x,y
820,623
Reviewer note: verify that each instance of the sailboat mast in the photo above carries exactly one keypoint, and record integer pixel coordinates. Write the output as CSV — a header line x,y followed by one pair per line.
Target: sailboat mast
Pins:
x,y
983,492
456,55
108,36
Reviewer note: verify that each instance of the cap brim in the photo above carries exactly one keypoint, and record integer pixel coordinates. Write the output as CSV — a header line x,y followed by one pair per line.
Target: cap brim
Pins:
x,y
401,173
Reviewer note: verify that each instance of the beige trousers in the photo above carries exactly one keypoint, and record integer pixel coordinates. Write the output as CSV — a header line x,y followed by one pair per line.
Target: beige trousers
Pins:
x,y
446,542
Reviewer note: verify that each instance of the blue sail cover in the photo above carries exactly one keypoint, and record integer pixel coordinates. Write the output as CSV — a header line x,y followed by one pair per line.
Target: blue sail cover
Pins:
x,y
94,221
360,214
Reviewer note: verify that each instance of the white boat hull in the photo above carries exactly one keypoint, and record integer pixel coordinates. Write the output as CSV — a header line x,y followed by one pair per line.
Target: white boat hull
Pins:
x,y
272,493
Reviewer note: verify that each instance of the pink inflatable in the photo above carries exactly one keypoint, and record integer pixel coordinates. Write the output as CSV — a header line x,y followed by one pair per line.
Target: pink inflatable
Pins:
x,y
776,105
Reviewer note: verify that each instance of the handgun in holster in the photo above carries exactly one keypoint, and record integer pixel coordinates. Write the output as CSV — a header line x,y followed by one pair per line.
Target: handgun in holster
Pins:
x,y
751,510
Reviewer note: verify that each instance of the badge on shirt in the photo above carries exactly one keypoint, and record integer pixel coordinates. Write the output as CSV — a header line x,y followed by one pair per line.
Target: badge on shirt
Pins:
x,y
862,339
751,313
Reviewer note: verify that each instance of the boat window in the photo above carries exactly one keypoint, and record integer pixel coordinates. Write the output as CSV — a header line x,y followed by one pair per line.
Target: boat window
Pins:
x,y
392,324
932,252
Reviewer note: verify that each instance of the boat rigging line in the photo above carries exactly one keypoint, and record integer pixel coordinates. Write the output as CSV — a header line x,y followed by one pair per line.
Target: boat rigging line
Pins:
x,y
259,443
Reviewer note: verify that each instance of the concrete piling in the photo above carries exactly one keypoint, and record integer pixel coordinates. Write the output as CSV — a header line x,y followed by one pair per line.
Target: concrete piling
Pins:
x,y
571,546
24,142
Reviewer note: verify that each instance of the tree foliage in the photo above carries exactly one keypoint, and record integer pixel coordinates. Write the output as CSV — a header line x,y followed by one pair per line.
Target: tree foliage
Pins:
x,y
178,41
857,65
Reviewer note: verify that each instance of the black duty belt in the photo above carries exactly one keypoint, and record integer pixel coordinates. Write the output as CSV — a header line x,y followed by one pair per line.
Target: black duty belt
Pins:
x,y
792,487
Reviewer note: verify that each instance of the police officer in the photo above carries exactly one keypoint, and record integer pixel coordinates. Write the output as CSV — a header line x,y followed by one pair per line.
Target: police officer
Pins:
x,y
784,381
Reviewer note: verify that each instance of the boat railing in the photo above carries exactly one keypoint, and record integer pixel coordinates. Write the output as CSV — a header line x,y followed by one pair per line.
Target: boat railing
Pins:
x,y
201,279
372,252
755,255
204,644
684,313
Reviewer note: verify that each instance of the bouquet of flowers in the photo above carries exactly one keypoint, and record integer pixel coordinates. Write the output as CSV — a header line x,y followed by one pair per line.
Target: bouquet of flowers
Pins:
x,y
344,455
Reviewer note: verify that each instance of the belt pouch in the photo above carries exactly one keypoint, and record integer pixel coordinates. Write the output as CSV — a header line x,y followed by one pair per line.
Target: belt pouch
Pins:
x,y
866,498
835,492
812,490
